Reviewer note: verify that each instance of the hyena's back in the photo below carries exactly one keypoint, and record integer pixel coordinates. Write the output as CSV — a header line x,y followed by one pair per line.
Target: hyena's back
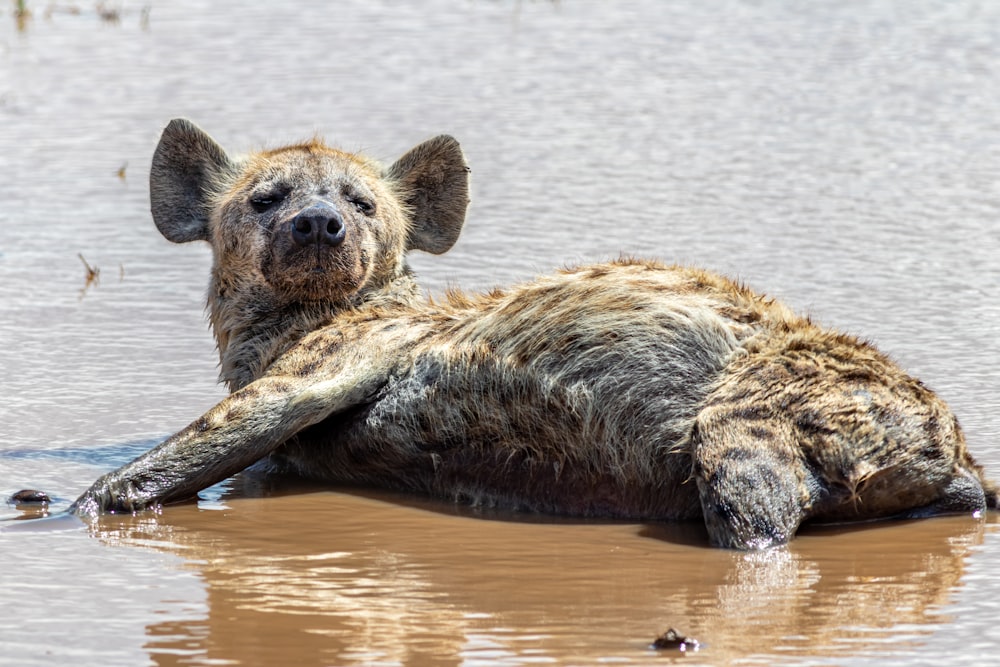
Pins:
x,y
638,390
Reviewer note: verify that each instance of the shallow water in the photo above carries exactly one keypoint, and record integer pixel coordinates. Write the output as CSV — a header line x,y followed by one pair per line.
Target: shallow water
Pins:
x,y
842,156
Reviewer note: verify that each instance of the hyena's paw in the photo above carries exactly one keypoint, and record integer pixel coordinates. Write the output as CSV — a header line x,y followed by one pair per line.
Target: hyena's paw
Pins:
x,y
754,492
964,494
750,505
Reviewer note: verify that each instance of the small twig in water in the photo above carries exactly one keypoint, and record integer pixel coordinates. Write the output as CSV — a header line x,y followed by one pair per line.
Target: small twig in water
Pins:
x,y
93,273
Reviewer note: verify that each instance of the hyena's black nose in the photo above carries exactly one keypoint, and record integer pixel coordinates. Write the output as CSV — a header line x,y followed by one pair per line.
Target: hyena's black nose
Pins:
x,y
320,224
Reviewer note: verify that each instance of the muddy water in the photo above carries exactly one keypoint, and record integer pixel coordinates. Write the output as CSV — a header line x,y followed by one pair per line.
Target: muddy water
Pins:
x,y
842,156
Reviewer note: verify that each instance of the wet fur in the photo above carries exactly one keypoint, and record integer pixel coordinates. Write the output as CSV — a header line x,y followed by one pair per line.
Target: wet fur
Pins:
x,y
627,389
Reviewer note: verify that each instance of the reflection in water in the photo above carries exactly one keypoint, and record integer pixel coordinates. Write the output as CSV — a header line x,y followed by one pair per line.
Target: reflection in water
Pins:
x,y
373,579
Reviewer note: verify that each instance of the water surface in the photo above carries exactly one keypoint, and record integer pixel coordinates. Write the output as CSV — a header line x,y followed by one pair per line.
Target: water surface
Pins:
x,y
843,156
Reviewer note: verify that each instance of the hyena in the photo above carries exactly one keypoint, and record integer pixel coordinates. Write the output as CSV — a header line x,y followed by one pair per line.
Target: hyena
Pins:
x,y
626,389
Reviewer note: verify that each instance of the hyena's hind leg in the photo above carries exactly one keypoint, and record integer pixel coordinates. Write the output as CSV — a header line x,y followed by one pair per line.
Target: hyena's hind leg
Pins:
x,y
827,429
755,489
890,448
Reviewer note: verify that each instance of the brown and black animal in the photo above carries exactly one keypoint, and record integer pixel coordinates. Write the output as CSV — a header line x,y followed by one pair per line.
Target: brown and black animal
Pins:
x,y
627,389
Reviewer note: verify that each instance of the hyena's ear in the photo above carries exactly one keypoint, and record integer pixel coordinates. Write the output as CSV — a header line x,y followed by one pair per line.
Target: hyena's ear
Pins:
x,y
186,164
433,181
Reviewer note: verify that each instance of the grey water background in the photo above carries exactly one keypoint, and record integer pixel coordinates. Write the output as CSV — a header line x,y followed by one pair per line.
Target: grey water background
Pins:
x,y
842,156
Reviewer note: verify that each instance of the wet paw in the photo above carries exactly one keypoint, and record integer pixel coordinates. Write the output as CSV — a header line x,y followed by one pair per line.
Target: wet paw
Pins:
x,y
751,505
963,495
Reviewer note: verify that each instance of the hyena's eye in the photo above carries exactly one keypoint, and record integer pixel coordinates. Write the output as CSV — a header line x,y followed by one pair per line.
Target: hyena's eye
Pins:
x,y
264,201
366,206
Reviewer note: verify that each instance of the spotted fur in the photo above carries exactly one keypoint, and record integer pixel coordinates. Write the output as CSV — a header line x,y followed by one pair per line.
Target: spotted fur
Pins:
x,y
628,389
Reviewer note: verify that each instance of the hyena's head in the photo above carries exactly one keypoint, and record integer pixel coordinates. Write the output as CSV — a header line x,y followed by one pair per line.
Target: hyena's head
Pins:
x,y
307,222
302,229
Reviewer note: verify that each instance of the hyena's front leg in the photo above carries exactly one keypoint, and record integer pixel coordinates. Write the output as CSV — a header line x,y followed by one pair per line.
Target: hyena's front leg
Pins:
x,y
755,489
243,428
